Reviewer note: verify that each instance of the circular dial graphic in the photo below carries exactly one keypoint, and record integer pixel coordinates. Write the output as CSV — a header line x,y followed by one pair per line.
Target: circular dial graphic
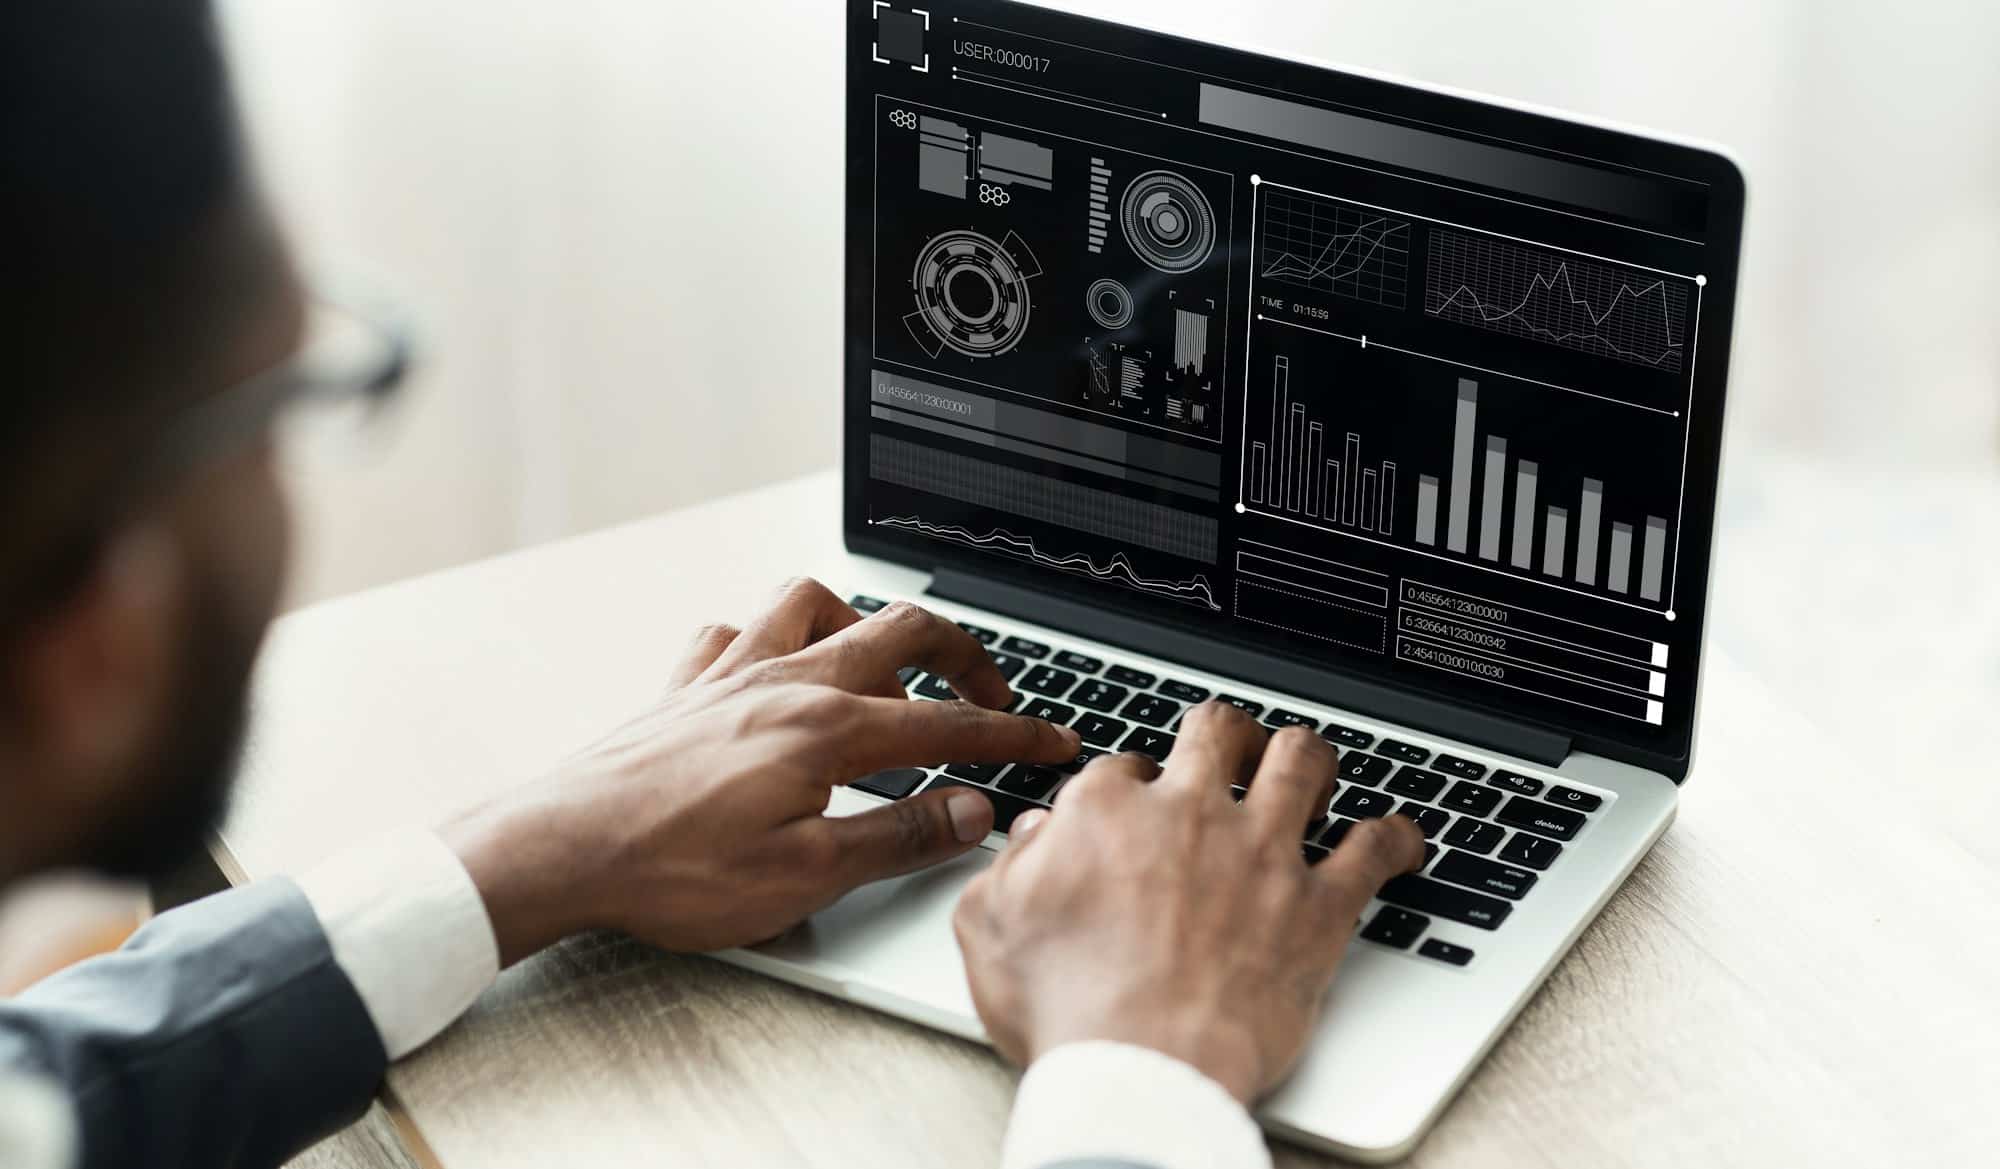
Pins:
x,y
1168,222
1110,304
972,294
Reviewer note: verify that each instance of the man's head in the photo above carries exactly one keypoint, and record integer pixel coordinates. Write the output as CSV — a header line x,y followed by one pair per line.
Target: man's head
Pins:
x,y
138,278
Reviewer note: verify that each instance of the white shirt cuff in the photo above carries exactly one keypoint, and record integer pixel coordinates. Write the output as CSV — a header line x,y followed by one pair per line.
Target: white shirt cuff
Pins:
x,y
1115,1101
409,930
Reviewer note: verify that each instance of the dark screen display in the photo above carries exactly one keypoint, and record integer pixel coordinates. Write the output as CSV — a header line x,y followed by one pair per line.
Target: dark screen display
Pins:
x,y
1395,383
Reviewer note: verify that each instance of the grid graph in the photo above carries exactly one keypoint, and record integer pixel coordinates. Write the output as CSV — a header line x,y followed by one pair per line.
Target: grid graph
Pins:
x,y
1563,300
1332,247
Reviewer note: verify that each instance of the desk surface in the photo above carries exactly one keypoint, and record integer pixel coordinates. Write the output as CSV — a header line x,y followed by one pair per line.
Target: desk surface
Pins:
x,y
1803,972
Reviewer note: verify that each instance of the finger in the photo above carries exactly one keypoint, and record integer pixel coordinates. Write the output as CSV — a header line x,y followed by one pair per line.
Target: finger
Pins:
x,y
804,613
1025,826
892,732
708,644
1110,775
1218,747
909,635
1372,852
905,836
1293,783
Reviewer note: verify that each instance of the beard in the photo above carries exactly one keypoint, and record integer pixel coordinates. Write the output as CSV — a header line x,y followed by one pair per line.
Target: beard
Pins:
x,y
180,795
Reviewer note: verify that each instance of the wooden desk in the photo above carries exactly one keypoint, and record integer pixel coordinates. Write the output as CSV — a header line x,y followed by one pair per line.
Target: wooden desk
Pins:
x,y
1803,973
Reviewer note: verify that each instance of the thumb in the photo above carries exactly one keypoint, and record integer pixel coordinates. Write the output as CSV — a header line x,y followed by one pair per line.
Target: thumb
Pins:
x,y
909,835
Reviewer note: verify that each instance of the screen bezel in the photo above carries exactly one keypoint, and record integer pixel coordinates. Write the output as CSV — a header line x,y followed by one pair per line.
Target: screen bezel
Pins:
x,y
1543,129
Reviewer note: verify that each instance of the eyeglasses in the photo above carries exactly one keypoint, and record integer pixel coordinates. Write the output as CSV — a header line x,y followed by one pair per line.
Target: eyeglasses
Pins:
x,y
354,357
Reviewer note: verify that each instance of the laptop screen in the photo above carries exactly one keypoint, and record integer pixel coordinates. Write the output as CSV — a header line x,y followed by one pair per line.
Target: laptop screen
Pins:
x,y
1391,382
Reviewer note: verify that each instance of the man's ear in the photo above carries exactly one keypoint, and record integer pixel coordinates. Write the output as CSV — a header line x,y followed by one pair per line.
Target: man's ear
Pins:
x,y
92,675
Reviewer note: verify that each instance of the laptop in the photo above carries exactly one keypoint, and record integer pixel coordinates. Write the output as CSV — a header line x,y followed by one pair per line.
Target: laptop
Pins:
x,y
1175,371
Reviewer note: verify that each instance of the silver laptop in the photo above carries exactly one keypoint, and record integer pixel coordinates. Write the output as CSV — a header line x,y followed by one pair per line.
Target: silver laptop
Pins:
x,y
1175,371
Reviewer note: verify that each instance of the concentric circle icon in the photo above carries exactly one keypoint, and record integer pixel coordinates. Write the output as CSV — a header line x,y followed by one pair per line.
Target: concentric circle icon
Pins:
x,y
1168,222
972,294
1110,304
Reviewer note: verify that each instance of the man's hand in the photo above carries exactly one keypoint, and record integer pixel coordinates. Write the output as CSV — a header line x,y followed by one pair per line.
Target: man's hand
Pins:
x,y
701,825
1149,908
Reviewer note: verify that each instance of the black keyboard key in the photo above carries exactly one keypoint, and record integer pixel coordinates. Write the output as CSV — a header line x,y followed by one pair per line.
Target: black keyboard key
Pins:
x,y
1569,797
1026,648
1098,695
1253,709
1127,676
1396,749
1514,782
1150,709
1008,665
935,687
907,675
1416,783
1186,692
1237,793
1476,872
1536,816
982,636
1430,853
1395,927
1081,663
1363,804
1445,952
1471,799
1048,680
867,604
1033,782
1083,757
1430,820
1277,719
891,785
1462,768
1313,854
1341,736
1006,808
1335,833
1367,770
1475,836
1100,731
1435,897
976,772
1147,741
1050,712
1531,851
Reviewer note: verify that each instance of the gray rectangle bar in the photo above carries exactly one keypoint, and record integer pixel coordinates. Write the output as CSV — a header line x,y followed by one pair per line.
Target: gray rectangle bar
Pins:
x,y
1460,520
1652,576
1552,546
1353,471
1388,525
1524,513
1427,510
1339,489
1494,499
1024,158
1256,472
1040,426
1588,522
1619,577
1444,155
1046,454
1368,500
1295,470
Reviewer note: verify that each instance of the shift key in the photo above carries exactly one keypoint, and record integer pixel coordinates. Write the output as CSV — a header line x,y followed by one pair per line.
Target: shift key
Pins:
x,y
1441,900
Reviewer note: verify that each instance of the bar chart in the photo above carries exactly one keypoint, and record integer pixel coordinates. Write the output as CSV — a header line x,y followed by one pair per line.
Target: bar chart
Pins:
x,y
1451,471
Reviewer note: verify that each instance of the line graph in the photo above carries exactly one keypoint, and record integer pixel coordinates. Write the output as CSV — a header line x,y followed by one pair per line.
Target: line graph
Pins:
x,y
1118,570
1332,247
1567,301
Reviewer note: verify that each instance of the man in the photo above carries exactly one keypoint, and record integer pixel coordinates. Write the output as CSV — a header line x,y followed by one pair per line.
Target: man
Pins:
x,y
1151,952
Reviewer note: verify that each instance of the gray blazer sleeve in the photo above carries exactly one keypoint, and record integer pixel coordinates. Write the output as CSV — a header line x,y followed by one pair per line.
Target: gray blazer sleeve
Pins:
x,y
223,1035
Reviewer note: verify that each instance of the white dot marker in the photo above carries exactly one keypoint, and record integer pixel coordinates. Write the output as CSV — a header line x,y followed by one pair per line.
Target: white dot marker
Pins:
x,y
1240,509
1702,281
1671,614
1256,180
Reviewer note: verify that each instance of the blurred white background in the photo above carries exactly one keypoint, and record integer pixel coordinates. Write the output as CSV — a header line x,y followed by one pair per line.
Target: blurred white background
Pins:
x,y
620,222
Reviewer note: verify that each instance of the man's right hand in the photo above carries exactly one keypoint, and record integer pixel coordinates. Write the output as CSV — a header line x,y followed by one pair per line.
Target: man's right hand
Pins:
x,y
1149,908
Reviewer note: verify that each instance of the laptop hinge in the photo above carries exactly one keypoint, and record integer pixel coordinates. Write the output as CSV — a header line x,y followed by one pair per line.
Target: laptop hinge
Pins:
x,y
1220,657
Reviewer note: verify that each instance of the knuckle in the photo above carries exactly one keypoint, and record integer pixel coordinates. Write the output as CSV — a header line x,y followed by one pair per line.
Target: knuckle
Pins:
x,y
904,615
913,829
801,588
714,632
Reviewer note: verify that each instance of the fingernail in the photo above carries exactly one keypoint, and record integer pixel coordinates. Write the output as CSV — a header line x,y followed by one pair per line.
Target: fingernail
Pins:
x,y
969,817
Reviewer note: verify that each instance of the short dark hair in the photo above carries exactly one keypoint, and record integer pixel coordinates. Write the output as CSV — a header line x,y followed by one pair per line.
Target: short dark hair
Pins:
x,y
128,240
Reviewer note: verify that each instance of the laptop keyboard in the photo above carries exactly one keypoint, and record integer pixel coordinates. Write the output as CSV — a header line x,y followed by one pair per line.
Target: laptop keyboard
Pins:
x,y
1489,832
